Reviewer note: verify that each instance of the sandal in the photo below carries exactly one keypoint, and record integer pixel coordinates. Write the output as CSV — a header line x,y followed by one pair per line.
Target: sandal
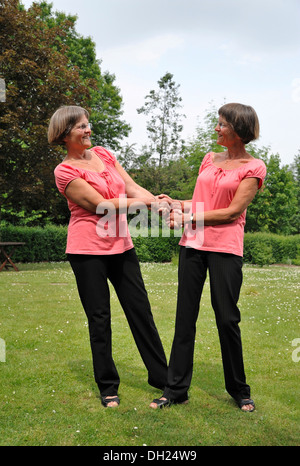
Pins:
x,y
244,402
163,403
105,400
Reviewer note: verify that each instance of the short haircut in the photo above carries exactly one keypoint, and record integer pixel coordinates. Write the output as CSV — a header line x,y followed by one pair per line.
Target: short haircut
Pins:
x,y
62,121
243,120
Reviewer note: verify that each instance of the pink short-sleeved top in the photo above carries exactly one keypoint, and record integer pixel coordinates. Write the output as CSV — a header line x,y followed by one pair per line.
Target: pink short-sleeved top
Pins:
x,y
215,189
88,233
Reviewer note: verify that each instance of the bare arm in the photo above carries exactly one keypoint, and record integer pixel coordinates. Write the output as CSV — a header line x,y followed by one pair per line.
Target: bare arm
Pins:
x,y
83,194
131,187
243,197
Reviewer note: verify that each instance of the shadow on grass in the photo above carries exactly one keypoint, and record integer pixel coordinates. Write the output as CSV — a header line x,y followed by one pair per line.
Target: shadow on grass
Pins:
x,y
135,377
83,372
207,377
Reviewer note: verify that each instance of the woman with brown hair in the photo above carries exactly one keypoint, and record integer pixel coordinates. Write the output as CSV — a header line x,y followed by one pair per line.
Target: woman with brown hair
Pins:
x,y
93,182
226,185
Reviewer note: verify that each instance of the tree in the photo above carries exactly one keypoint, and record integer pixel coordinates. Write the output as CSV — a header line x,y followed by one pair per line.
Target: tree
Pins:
x,y
171,178
275,208
38,80
295,170
105,98
37,49
197,147
164,125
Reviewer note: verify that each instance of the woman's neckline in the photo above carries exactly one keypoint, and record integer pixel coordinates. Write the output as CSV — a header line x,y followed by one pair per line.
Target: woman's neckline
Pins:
x,y
87,169
229,169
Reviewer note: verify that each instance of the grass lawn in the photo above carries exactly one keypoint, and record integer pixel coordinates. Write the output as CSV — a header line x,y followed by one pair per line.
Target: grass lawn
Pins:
x,y
48,395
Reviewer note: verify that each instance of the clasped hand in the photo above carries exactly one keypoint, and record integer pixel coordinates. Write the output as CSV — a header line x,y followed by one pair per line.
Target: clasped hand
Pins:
x,y
171,210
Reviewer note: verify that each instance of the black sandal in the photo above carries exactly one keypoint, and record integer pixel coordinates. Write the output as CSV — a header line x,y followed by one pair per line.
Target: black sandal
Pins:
x,y
244,402
105,400
161,403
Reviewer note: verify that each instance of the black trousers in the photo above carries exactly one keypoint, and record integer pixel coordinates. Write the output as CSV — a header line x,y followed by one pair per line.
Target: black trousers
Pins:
x,y
225,273
123,270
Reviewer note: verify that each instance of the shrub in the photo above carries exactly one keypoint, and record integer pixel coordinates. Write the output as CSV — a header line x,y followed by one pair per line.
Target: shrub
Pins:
x,y
262,254
267,248
42,244
49,243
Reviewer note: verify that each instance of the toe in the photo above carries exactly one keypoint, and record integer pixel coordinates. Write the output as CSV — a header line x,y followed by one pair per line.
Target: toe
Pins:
x,y
154,405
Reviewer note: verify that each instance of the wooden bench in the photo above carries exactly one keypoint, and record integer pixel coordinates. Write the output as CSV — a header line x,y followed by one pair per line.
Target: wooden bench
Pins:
x,y
7,255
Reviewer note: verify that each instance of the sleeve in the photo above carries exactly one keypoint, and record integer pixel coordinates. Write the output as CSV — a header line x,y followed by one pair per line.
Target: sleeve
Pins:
x,y
204,162
258,171
105,155
64,175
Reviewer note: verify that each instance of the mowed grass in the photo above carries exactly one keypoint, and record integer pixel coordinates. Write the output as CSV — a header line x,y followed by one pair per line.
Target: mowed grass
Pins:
x,y
48,395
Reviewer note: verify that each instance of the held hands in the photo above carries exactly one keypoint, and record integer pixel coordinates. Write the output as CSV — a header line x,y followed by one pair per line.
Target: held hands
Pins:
x,y
175,219
171,211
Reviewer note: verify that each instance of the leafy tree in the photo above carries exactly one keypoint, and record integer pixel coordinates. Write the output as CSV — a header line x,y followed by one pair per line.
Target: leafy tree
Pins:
x,y
127,156
275,208
196,148
164,126
171,178
105,101
37,49
38,80
295,170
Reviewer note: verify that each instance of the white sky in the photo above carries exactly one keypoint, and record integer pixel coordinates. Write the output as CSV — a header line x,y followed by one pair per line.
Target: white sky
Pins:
x,y
217,50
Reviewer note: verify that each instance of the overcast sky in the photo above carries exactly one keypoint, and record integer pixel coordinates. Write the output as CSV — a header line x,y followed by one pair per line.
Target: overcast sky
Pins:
x,y
217,50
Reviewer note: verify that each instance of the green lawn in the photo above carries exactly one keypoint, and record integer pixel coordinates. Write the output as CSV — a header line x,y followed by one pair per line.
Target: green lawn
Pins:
x,y
48,395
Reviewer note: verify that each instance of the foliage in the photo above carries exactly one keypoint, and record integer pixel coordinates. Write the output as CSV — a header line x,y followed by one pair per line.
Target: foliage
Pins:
x,y
178,176
275,208
46,64
40,59
204,140
37,82
172,178
198,146
106,101
269,248
164,125
295,170
42,244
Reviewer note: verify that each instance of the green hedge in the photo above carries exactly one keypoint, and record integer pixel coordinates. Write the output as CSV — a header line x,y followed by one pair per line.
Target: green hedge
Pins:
x,y
48,244
268,248
42,244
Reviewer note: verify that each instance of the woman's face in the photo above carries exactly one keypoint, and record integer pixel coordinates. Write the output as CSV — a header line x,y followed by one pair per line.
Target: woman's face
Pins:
x,y
80,134
226,135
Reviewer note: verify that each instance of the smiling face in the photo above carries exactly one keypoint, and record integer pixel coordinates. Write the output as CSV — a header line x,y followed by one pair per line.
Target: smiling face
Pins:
x,y
226,135
79,136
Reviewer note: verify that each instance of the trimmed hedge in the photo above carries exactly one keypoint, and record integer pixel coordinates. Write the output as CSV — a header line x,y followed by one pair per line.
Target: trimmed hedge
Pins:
x,y
48,244
42,244
268,248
